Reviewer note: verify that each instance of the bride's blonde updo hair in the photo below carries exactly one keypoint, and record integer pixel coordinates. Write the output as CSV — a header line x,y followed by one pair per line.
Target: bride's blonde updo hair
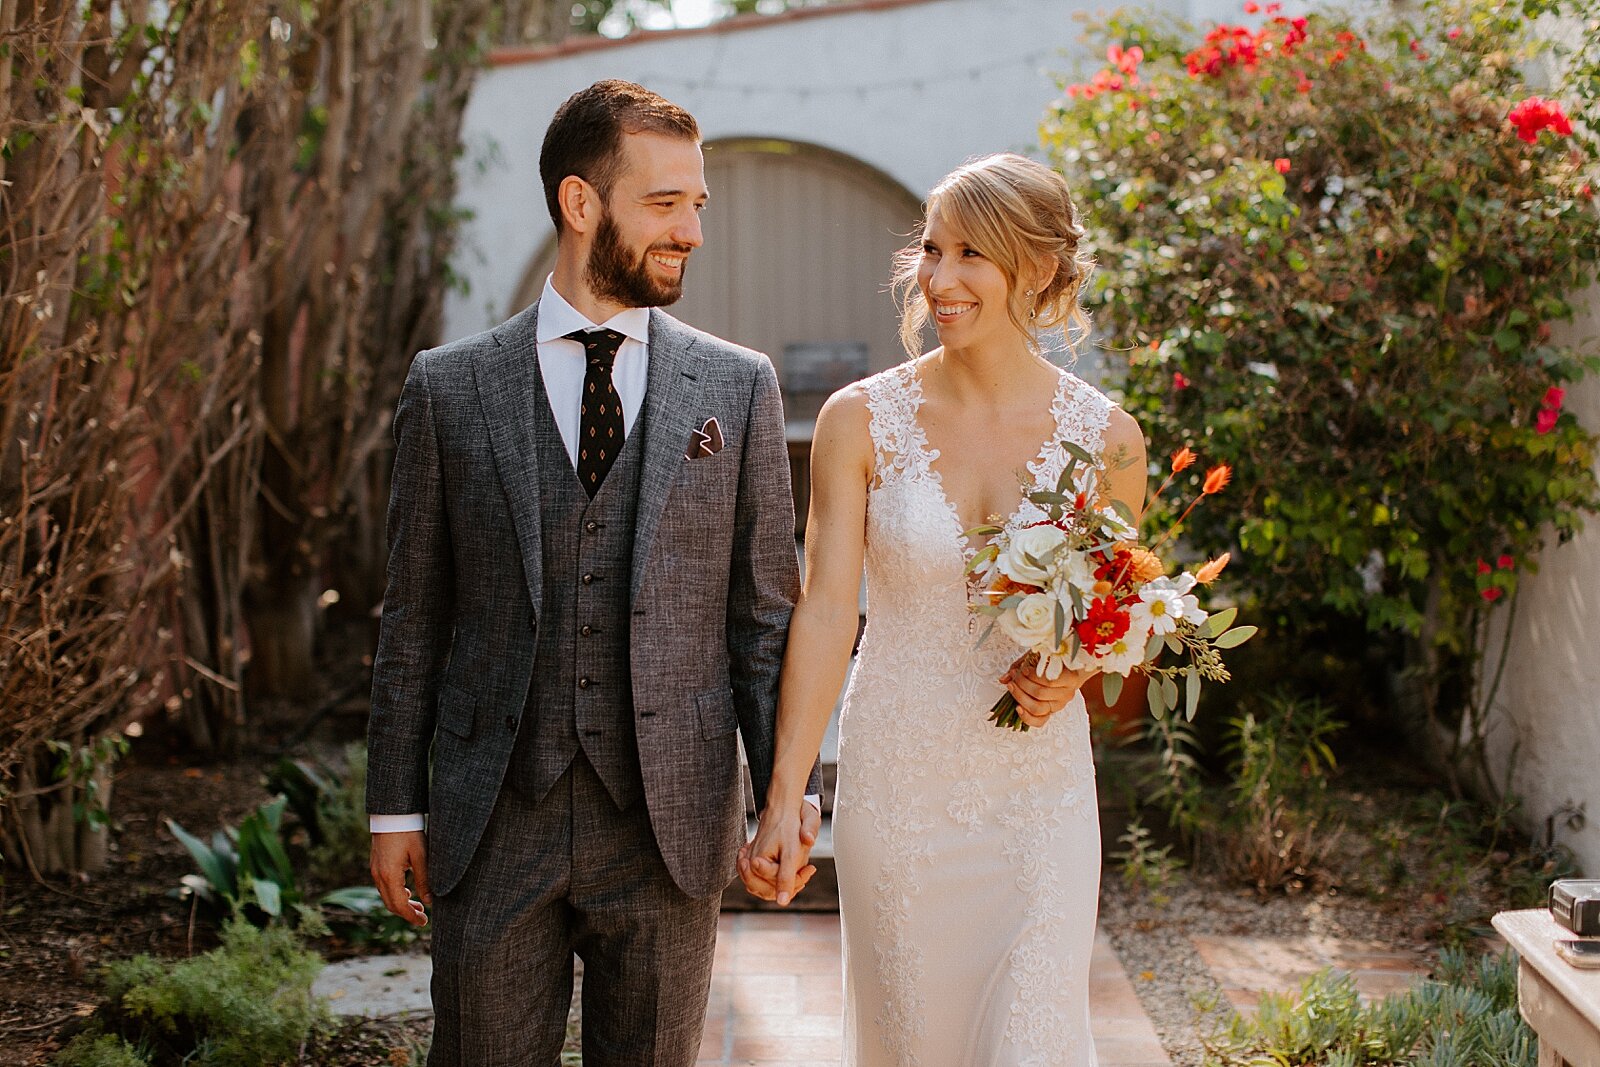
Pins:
x,y
1019,214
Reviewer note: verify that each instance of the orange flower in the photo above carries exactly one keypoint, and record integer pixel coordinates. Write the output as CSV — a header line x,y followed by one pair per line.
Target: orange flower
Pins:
x,y
1182,460
1145,565
1217,479
1208,573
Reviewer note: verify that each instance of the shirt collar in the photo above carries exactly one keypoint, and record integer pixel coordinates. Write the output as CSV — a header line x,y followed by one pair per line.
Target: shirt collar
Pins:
x,y
557,318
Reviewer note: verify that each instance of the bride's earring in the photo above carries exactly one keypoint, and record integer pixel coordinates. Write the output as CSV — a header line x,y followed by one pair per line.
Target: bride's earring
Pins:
x,y
1033,312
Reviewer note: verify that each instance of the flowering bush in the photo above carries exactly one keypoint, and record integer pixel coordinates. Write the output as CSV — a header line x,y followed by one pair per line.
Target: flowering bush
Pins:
x,y
1332,254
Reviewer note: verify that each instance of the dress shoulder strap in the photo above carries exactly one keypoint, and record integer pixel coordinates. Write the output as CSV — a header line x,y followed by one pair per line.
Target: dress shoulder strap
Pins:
x,y
898,448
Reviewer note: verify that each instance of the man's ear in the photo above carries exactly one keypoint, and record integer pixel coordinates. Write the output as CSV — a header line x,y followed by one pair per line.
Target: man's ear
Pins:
x,y
580,204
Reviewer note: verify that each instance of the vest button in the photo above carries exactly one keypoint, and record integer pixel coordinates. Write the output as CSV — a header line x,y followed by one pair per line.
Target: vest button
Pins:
x,y
511,723
586,631
591,526
583,683
587,579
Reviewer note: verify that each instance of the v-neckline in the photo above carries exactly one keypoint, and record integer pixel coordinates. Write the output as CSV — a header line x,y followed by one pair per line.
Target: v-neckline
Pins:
x,y
919,441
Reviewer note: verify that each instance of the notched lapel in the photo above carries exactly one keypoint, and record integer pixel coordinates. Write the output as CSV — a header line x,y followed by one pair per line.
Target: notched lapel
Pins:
x,y
668,424
505,382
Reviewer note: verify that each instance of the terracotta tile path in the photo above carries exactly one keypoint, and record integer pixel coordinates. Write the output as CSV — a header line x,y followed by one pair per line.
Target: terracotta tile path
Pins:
x,y
776,1000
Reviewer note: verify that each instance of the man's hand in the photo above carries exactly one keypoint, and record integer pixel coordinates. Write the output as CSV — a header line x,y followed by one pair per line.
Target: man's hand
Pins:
x,y
1038,697
392,856
774,866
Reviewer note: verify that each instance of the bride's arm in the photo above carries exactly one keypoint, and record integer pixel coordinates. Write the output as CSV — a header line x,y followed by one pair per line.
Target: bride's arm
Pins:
x,y
822,633
1125,456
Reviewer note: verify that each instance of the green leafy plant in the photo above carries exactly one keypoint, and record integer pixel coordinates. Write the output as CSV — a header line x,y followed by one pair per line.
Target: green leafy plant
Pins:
x,y
1271,835
244,870
246,1003
331,804
95,1048
1466,1016
1145,865
1334,252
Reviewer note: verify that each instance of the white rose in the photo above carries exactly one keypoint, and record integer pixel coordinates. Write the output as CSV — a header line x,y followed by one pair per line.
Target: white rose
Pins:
x,y
1036,541
1032,622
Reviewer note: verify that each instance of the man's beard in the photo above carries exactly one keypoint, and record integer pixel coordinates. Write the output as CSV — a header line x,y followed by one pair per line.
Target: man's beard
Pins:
x,y
615,277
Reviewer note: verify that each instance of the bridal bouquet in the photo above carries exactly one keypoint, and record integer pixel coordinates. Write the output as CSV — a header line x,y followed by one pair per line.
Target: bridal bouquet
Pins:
x,y
1075,590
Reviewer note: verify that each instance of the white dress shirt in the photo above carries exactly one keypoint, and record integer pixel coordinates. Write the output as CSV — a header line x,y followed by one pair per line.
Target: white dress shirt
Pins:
x,y
562,365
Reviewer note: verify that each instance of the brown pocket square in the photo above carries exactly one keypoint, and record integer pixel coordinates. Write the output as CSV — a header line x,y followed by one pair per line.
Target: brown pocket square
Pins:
x,y
706,441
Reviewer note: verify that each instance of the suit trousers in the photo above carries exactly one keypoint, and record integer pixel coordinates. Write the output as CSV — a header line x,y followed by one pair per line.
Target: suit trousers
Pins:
x,y
570,875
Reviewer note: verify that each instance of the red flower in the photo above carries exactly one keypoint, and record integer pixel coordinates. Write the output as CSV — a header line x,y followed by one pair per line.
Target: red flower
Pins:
x,y
1416,49
1483,568
1493,593
1535,114
1454,32
1586,191
1183,459
1251,7
1281,165
1273,9
1505,562
1105,623
1125,60
1554,397
1179,381
1546,420
1217,479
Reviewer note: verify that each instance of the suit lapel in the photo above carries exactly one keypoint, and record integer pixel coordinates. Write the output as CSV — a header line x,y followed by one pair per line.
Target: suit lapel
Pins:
x,y
505,382
668,414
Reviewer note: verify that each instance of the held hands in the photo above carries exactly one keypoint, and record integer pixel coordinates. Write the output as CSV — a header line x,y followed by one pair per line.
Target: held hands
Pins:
x,y
774,865
1038,697
392,856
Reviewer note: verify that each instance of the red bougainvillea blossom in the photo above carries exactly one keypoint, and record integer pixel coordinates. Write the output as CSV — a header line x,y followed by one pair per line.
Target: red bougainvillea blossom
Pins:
x,y
1483,567
1179,381
1123,73
1281,165
1550,409
1492,593
1505,562
1535,114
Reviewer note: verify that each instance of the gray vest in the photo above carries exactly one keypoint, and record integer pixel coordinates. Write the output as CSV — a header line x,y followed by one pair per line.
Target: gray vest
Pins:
x,y
581,697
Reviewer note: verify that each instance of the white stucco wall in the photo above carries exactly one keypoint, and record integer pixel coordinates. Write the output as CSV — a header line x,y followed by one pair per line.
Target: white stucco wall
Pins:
x,y
1546,722
912,90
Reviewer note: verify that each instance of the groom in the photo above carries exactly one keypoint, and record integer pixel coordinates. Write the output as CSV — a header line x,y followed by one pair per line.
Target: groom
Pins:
x,y
592,567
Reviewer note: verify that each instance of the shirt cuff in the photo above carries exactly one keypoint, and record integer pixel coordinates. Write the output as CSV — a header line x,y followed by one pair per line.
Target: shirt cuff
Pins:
x,y
815,800
400,824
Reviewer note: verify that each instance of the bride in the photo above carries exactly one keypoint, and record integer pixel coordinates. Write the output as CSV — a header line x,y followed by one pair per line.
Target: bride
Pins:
x,y
968,855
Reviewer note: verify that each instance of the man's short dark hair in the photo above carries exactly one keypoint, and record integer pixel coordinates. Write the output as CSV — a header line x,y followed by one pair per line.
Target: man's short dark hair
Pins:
x,y
585,137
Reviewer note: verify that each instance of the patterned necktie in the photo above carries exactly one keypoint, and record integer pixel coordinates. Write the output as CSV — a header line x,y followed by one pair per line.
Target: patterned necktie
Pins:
x,y
600,427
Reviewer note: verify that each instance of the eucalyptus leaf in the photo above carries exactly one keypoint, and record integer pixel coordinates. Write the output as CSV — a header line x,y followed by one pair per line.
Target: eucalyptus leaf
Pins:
x,y
1219,622
1169,691
1153,697
1152,647
1078,453
1235,637
1061,624
1191,693
1110,688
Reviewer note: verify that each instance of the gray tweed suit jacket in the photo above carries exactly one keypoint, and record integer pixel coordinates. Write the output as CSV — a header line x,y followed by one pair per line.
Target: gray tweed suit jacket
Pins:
x,y
714,579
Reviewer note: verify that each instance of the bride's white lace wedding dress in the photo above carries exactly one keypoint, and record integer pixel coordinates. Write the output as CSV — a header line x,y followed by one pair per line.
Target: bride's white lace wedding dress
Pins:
x,y
968,856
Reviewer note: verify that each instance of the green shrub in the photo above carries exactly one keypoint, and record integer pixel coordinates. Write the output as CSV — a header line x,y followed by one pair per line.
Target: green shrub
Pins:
x,y
244,870
246,1003
1334,264
1466,1016
332,806
97,1049
1272,834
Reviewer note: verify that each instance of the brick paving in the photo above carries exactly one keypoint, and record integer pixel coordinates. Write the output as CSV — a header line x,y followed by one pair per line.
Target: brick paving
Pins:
x,y
1246,967
776,999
